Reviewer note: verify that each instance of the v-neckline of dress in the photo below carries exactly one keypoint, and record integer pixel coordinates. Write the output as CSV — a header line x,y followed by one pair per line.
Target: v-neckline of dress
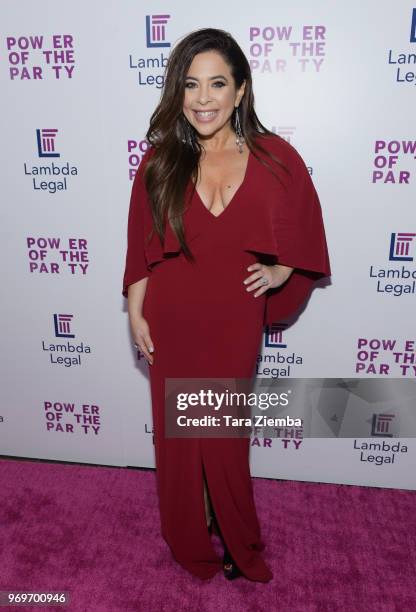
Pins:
x,y
239,188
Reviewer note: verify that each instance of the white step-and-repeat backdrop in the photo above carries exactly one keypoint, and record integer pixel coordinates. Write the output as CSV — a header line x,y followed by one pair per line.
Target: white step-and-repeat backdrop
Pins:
x,y
79,82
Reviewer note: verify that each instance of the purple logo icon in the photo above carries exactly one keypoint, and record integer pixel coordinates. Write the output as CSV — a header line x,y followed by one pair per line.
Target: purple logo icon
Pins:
x,y
285,131
400,246
62,324
46,142
155,30
380,425
413,27
274,335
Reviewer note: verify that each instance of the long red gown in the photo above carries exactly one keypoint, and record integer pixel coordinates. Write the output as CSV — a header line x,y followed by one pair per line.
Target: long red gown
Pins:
x,y
205,324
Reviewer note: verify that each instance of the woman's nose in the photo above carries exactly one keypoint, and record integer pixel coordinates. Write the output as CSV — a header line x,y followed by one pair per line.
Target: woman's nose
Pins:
x,y
203,95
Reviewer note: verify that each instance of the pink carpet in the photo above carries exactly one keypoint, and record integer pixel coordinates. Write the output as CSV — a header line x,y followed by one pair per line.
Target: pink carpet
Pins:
x,y
94,531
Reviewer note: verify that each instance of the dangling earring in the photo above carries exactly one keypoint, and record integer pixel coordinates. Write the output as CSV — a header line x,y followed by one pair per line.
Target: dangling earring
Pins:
x,y
185,137
188,136
240,139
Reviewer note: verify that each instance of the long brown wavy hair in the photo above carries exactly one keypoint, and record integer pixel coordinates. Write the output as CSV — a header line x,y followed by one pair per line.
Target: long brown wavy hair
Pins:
x,y
174,162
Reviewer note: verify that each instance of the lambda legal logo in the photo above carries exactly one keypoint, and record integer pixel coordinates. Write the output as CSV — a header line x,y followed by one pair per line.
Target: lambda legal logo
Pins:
x,y
46,142
65,352
62,324
400,243
274,335
155,30
285,131
413,27
380,425
403,59
276,363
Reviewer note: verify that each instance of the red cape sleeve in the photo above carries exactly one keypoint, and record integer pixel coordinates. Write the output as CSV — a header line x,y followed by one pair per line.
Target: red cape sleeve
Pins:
x,y
135,263
301,244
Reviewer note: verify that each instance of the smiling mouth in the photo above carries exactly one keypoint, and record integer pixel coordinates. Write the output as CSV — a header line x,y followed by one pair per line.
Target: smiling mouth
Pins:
x,y
205,115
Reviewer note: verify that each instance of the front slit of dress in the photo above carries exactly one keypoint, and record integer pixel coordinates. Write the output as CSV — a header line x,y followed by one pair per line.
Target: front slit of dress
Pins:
x,y
205,325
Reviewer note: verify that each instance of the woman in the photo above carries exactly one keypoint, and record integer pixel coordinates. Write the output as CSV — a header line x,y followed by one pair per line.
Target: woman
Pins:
x,y
225,235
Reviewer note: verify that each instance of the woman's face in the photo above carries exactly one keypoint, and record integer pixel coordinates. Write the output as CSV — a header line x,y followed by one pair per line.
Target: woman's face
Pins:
x,y
210,94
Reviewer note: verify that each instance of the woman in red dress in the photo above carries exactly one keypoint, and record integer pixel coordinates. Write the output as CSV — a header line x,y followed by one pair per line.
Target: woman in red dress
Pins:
x,y
225,236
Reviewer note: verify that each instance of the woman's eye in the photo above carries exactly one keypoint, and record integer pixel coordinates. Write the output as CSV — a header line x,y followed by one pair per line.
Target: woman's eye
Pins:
x,y
190,85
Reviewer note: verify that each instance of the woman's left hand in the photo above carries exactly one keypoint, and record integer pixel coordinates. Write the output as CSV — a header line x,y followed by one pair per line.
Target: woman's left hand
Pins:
x,y
274,275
